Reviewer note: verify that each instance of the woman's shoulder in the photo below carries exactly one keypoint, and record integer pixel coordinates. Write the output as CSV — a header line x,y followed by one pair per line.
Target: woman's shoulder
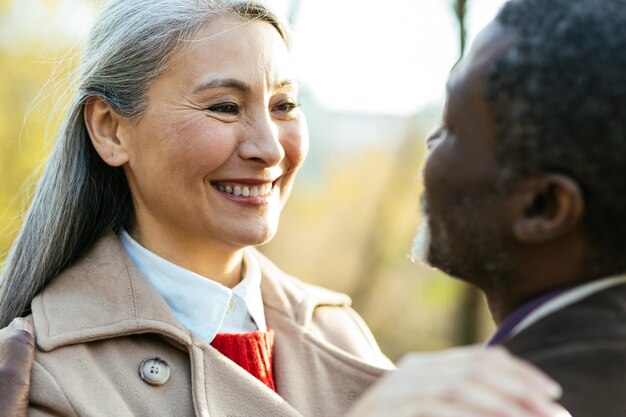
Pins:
x,y
324,313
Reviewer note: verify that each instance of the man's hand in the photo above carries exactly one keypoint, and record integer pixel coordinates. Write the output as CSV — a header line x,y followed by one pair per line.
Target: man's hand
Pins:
x,y
464,382
17,352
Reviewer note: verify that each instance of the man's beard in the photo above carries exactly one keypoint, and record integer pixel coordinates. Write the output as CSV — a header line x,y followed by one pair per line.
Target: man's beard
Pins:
x,y
421,242
463,238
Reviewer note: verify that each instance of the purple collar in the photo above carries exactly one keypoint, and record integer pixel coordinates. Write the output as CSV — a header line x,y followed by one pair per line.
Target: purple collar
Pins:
x,y
512,320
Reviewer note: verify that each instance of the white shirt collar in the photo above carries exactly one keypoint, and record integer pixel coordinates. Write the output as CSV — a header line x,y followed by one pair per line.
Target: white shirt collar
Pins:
x,y
566,299
202,305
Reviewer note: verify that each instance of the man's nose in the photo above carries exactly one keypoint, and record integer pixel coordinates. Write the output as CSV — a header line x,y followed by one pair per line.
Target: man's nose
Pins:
x,y
263,141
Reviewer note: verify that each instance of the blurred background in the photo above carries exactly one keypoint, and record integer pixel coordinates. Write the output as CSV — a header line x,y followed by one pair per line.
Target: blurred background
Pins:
x,y
373,76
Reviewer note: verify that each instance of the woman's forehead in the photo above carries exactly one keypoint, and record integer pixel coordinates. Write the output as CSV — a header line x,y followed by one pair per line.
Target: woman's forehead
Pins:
x,y
233,48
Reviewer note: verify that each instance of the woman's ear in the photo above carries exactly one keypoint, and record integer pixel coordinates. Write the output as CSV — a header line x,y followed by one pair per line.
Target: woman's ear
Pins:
x,y
106,130
550,207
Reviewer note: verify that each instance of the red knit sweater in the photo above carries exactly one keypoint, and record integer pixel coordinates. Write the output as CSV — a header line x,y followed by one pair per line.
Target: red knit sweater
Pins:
x,y
252,351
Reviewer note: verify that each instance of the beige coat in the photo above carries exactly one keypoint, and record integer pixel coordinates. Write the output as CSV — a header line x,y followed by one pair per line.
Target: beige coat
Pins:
x,y
98,320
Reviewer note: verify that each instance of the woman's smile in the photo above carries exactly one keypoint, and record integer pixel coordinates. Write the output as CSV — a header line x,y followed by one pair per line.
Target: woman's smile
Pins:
x,y
247,191
215,155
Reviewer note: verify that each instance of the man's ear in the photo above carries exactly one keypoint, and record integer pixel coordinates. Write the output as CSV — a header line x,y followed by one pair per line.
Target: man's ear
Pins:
x,y
107,131
550,206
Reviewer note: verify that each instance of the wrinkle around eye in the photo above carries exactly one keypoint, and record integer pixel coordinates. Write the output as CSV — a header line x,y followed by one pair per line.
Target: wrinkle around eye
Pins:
x,y
286,110
288,107
232,109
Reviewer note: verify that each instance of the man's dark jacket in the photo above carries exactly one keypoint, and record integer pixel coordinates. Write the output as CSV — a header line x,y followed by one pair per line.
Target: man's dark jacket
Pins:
x,y
583,347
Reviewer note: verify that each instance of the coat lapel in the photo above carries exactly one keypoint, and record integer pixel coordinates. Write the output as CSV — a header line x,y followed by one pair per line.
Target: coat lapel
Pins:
x,y
104,296
300,355
101,296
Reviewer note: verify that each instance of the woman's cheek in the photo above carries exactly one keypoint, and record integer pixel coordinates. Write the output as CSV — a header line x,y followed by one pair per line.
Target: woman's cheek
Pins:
x,y
297,143
206,138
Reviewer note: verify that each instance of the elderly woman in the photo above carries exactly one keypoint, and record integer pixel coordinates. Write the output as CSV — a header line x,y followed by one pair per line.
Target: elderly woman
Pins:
x,y
135,257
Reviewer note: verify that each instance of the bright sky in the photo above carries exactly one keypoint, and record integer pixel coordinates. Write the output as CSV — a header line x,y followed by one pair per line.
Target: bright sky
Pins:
x,y
381,57
361,56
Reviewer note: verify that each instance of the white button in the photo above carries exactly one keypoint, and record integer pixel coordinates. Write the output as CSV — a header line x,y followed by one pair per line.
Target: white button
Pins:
x,y
232,306
155,371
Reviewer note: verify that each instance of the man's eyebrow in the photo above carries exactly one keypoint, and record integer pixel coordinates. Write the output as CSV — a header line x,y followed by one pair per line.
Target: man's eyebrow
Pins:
x,y
222,83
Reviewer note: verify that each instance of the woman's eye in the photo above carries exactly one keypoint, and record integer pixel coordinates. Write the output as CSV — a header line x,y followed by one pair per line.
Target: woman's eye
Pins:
x,y
287,106
228,108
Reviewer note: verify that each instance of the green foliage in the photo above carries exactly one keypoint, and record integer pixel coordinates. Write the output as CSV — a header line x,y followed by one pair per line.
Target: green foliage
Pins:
x,y
22,146
29,72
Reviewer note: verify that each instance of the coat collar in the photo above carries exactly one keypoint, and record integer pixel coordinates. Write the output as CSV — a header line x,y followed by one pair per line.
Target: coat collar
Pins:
x,y
103,295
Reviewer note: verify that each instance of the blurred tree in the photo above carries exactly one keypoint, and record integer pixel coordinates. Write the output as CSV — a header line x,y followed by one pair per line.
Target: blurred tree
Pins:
x,y
380,235
471,301
293,12
376,252
460,8
30,74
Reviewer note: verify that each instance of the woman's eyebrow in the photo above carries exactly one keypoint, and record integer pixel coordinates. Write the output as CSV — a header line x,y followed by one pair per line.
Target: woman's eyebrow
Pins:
x,y
222,83
285,85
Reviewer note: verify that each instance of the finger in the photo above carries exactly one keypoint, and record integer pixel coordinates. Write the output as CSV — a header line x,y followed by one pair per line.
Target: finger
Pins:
x,y
21,323
493,376
494,361
16,359
17,353
439,408
468,390
525,371
18,347
471,392
489,398
513,389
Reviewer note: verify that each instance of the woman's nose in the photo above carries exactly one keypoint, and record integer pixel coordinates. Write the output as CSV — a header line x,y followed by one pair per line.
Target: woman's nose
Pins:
x,y
263,142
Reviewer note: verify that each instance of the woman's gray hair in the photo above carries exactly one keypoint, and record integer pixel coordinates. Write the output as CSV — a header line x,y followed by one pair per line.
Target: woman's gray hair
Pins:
x,y
80,198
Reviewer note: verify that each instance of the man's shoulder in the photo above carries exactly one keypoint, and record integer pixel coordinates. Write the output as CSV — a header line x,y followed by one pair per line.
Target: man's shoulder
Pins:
x,y
583,347
596,320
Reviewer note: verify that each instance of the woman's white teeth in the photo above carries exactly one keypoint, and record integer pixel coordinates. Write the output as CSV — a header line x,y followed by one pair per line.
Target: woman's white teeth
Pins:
x,y
245,191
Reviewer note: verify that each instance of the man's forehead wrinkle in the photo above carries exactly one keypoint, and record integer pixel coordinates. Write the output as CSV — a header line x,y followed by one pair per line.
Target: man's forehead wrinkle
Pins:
x,y
486,54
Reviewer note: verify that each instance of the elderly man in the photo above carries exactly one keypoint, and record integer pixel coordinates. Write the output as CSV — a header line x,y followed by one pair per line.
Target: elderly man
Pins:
x,y
525,191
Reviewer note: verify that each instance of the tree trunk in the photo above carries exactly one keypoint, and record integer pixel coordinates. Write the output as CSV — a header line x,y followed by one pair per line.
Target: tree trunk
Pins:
x,y
471,300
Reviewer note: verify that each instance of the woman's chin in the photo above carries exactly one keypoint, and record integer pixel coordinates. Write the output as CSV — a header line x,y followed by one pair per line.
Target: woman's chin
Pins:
x,y
255,238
